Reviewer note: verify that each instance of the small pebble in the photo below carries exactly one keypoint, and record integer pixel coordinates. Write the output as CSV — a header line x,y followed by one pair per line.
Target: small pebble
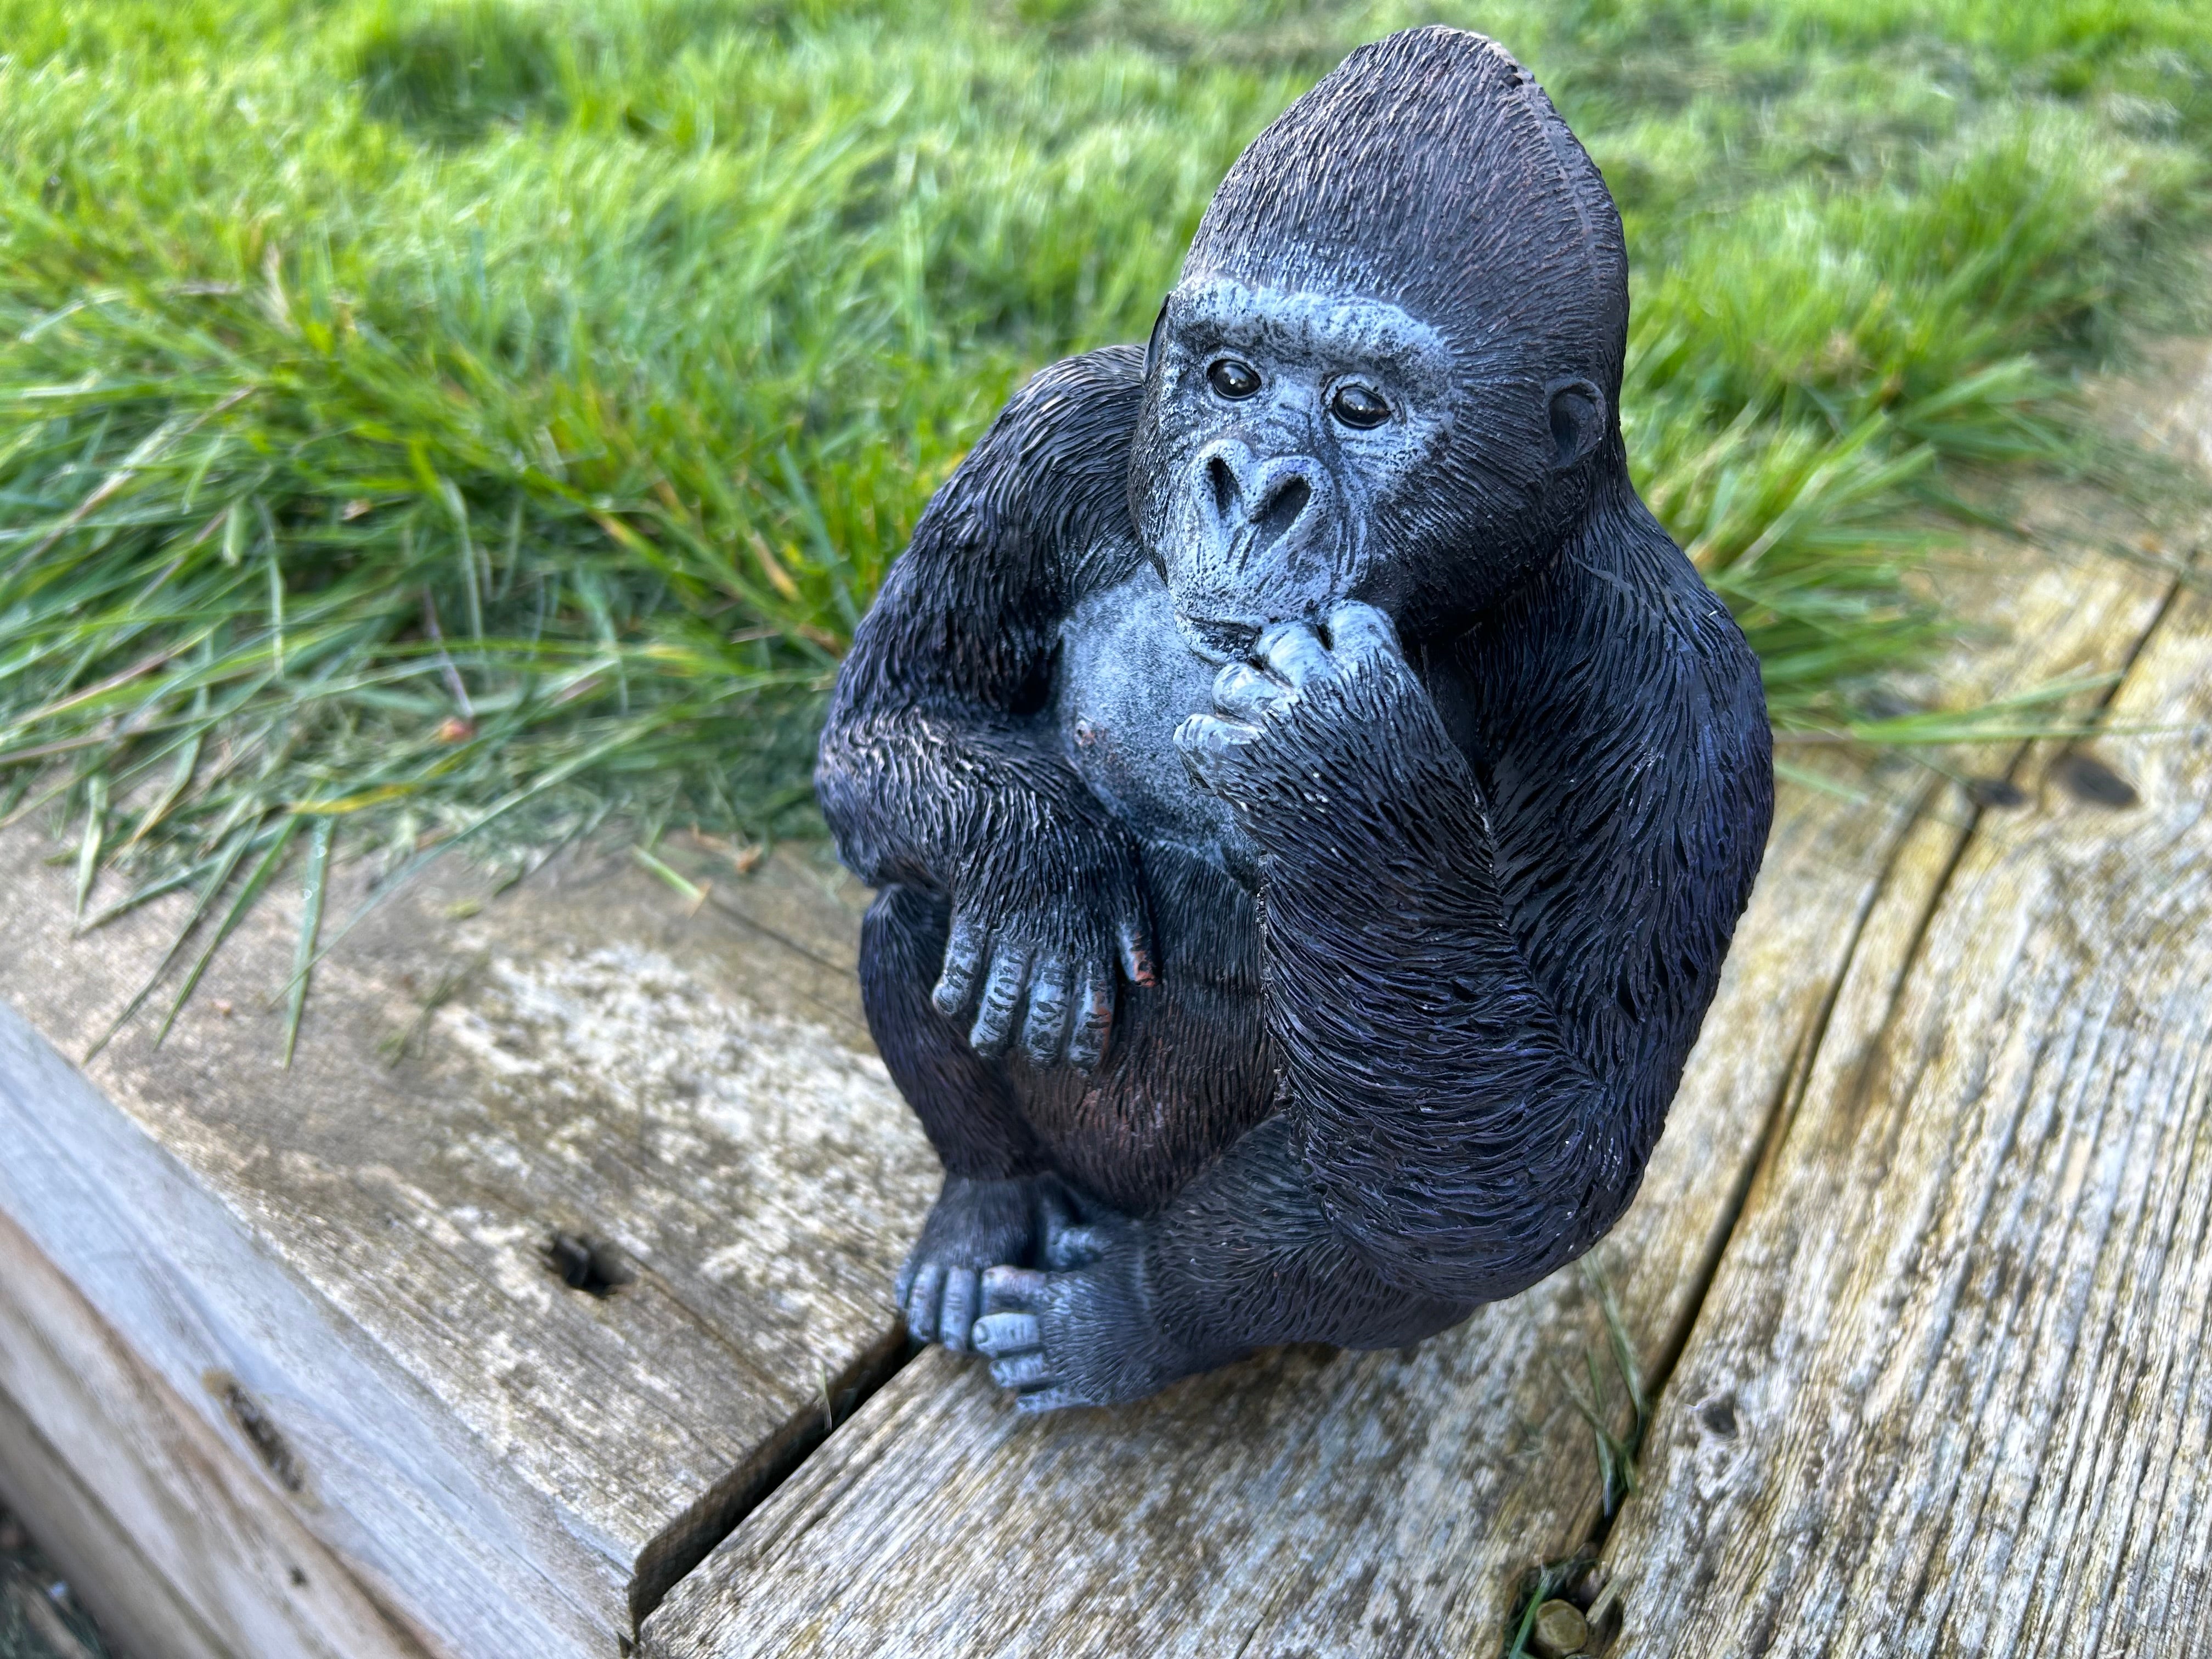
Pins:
x,y
1560,1631
2088,778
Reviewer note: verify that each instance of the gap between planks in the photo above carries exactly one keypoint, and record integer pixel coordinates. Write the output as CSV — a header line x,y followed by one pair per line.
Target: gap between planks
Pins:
x,y
1732,1546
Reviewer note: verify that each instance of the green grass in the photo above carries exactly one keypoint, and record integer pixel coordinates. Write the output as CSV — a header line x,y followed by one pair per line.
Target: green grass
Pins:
x,y
426,420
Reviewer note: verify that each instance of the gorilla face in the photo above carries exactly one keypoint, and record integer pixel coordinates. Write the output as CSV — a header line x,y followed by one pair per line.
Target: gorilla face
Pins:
x,y
1297,452
1279,427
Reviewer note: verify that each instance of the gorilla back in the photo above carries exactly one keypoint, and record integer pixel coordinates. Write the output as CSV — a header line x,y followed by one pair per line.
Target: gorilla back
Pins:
x,y
1311,795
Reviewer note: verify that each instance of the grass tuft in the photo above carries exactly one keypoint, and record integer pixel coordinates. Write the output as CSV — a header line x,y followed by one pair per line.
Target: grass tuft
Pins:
x,y
421,422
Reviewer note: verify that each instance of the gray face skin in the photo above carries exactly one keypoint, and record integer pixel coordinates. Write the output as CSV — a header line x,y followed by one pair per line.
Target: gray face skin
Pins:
x,y
1288,420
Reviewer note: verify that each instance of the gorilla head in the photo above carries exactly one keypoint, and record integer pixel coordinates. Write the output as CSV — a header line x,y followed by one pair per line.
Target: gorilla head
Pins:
x,y
1390,369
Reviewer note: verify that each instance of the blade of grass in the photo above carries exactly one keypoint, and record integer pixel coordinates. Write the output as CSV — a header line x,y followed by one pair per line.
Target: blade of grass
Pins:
x,y
688,890
223,865
87,852
248,891
315,881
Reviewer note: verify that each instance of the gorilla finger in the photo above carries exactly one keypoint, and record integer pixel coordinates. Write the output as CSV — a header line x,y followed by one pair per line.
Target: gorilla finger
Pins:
x,y
1209,748
1244,693
1003,1334
1293,653
1011,1290
1076,1247
1093,1020
1062,1216
1022,1371
904,1283
1047,1017
963,964
1202,735
922,1303
1356,631
1002,995
957,1318
1037,1401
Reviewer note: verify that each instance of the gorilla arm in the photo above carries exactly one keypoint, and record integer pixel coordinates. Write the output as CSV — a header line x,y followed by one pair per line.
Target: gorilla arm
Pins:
x,y
1449,1128
938,769
1443,1140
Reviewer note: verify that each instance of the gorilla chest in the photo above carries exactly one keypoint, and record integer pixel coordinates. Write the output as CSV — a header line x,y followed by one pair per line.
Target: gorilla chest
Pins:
x,y
1126,680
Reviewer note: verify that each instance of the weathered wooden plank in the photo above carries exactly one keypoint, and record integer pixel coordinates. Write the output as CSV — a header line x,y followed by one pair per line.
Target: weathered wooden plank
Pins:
x,y
347,1261
1948,1394
183,1549
1381,1504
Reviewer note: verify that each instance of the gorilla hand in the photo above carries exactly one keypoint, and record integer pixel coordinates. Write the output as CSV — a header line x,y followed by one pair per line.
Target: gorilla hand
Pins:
x,y
1036,941
1310,732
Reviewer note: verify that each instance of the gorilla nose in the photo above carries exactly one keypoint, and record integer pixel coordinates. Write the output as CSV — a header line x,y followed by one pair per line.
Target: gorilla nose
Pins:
x,y
1256,502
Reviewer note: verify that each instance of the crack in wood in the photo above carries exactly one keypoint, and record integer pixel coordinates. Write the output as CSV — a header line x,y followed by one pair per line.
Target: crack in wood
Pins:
x,y
673,1555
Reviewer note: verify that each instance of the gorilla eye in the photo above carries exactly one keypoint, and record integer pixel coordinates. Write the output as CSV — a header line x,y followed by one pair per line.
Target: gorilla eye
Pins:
x,y
1359,405
1231,379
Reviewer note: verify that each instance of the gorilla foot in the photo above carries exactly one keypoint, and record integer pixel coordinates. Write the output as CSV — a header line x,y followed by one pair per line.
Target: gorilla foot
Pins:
x,y
1080,1338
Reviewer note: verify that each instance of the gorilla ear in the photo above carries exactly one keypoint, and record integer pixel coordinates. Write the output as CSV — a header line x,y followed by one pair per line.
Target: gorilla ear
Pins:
x,y
1578,420
1152,345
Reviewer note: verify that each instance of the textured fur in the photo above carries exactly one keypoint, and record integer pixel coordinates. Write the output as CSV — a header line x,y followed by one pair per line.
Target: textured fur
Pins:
x,y
1307,845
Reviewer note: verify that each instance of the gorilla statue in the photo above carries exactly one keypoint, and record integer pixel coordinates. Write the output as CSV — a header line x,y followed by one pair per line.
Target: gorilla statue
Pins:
x,y
1311,795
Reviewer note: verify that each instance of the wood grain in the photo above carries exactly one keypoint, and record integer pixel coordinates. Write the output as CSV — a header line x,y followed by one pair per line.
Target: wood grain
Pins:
x,y
1388,1504
508,1465
1950,1393
165,1528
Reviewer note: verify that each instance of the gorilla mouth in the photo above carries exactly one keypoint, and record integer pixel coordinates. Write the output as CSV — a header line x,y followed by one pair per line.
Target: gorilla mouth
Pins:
x,y
1219,639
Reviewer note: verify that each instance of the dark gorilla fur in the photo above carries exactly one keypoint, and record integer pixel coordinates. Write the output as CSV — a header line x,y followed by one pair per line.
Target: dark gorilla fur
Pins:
x,y
1310,794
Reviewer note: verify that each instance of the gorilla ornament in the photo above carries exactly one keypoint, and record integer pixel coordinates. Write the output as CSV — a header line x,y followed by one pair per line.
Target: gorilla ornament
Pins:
x,y
1311,795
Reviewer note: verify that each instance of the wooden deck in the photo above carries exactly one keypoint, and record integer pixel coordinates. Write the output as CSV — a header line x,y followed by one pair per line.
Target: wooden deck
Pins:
x,y
1919,1281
